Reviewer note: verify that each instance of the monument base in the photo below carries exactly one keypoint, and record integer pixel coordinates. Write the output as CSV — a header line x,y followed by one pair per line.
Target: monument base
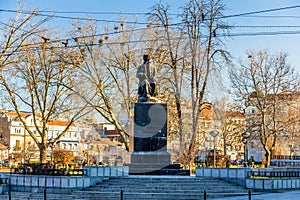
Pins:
x,y
154,163
149,141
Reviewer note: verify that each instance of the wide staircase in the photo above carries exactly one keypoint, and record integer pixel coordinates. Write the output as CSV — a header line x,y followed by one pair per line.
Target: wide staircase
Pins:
x,y
146,188
161,188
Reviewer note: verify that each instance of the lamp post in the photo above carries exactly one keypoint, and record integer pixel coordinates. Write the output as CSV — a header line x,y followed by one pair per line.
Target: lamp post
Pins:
x,y
51,144
87,141
214,134
8,149
245,136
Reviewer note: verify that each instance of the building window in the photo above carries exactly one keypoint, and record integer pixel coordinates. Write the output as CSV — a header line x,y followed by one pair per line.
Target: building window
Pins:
x,y
18,146
17,130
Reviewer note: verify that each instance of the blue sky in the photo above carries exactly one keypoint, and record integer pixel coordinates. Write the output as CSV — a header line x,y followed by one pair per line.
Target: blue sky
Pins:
x,y
237,45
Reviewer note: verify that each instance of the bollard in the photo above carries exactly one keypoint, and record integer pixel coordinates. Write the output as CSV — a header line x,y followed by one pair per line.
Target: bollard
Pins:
x,y
249,194
45,194
121,195
204,195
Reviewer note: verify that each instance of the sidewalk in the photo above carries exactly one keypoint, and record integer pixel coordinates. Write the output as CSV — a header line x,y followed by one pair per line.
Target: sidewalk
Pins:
x,y
289,195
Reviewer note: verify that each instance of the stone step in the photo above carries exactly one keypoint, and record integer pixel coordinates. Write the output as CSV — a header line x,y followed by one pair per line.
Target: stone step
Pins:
x,y
187,191
163,182
170,187
163,187
82,195
162,195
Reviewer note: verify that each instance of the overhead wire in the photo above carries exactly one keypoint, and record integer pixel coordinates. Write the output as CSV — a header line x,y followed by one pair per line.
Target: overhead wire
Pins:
x,y
272,16
261,11
72,18
249,14
161,38
40,13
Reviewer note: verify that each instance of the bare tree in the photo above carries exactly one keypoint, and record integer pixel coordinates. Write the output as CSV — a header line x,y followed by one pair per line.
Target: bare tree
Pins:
x,y
169,53
29,151
28,77
16,31
39,81
233,124
108,72
193,50
289,125
202,22
264,82
62,156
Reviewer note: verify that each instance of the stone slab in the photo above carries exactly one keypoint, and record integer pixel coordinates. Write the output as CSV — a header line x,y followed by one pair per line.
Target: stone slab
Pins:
x,y
215,173
249,183
224,173
150,157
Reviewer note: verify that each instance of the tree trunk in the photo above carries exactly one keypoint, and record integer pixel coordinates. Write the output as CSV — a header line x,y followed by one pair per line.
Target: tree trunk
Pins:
x,y
268,157
43,153
224,147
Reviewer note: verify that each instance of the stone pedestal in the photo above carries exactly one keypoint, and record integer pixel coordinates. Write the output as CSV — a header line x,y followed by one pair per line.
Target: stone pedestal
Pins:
x,y
148,162
149,141
149,138
150,127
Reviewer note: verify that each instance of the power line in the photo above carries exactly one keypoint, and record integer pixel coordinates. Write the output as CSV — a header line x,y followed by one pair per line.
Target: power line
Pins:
x,y
137,13
96,13
139,29
265,26
72,18
273,16
176,24
262,11
162,38
34,33
263,33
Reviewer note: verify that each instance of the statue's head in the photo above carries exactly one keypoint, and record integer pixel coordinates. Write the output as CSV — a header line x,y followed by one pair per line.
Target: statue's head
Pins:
x,y
146,58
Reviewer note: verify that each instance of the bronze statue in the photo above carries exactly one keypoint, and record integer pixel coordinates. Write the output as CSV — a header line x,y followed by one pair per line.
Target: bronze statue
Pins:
x,y
146,74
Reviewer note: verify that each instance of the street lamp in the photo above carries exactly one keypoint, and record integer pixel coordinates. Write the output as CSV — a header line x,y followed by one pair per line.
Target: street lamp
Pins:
x,y
214,134
51,144
8,148
246,136
87,141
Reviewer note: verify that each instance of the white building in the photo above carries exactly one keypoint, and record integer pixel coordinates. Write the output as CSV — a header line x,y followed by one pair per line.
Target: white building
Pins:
x,y
14,136
70,140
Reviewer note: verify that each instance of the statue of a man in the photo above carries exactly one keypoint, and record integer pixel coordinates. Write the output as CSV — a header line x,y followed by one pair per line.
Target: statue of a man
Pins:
x,y
146,74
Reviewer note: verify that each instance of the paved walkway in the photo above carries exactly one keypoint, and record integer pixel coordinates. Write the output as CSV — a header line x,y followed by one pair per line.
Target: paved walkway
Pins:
x,y
289,195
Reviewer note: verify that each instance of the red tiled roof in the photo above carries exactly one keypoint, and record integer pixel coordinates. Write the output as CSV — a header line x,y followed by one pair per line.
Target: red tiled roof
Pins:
x,y
235,114
56,122
111,132
206,111
14,114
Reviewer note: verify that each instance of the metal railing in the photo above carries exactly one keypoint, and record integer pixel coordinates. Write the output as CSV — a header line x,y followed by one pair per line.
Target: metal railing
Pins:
x,y
285,157
42,170
273,174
